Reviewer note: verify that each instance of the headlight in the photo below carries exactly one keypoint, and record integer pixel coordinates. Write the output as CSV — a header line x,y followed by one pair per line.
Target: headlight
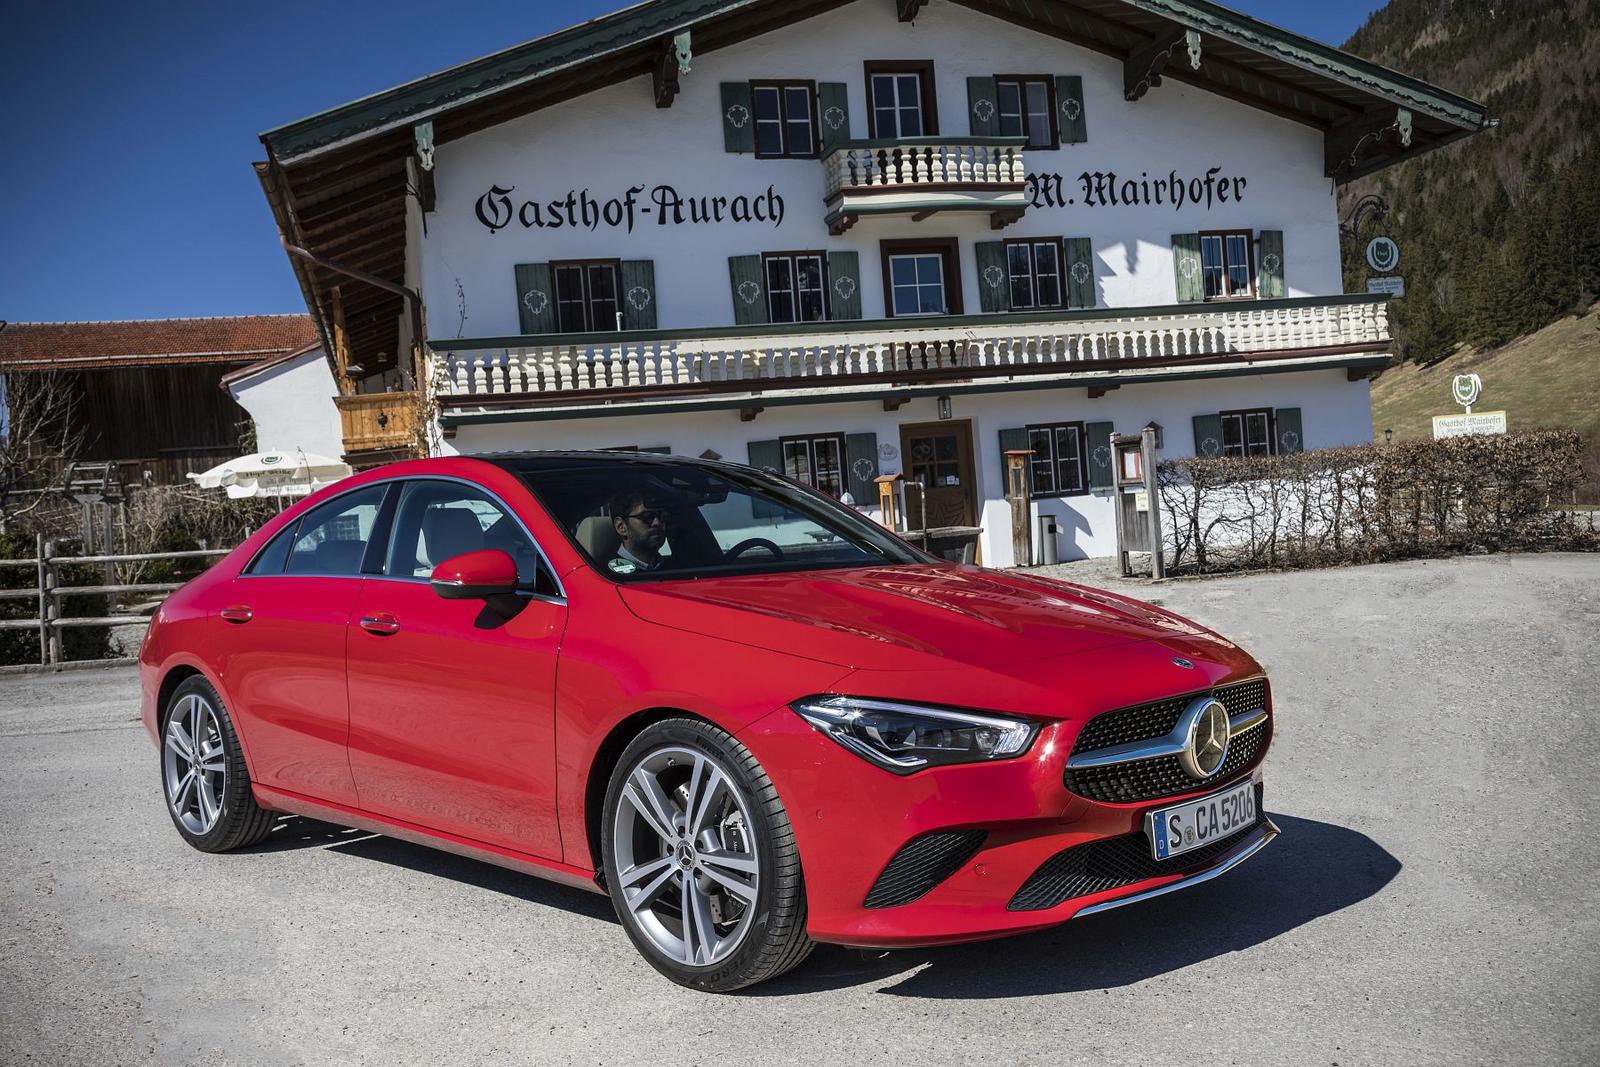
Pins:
x,y
905,738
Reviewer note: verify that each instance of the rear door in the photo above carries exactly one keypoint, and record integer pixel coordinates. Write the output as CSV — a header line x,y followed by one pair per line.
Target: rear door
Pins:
x,y
281,646
452,702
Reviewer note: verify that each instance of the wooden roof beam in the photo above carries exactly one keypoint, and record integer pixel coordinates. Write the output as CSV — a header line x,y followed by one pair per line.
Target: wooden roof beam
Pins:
x,y
1141,68
906,10
1349,143
671,63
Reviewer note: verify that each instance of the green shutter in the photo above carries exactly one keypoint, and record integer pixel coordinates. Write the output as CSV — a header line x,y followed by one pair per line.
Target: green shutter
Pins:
x,y
1014,440
861,460
738,117
1291,438
833,112
844,285
1269,265
1186,268
983,107
994,288
767,456
749,294
638,294
536,298
1208,436
1099,446
1069,109
1080,272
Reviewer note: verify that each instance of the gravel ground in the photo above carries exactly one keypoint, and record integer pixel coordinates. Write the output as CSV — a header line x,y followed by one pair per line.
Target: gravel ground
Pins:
x,y
1432,899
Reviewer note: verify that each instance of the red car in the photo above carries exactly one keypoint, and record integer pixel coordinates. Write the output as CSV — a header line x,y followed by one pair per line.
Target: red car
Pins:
x,y
753,717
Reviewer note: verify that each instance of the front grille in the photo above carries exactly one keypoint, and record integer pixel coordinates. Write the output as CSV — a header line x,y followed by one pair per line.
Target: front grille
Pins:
x,y
1152,779
922,864
1113,863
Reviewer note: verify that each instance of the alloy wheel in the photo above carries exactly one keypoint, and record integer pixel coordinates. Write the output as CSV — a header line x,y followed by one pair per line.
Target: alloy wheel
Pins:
x,y
194,764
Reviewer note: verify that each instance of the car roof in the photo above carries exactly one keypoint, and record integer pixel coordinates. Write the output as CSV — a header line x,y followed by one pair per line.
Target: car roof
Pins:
x,y
562,459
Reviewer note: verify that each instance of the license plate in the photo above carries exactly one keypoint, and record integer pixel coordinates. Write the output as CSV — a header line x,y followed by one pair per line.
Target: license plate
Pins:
x,y
1196,823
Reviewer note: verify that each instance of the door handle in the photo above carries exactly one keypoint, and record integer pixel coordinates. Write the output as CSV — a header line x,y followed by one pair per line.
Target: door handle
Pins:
x,y
237,613
382,624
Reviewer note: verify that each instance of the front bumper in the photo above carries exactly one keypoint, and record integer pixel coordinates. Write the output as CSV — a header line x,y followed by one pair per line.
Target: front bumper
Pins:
x,y
980,834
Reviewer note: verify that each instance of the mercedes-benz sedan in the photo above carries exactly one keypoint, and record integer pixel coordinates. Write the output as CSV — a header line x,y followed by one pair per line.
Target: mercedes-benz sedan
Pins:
x,y
753,717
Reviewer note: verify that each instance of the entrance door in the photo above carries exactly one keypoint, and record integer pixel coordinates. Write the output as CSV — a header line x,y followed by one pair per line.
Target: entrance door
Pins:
x,y
938,457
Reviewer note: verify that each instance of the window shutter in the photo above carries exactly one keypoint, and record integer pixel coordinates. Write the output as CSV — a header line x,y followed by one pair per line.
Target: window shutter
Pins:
x,y
1014,440
1286,424
638,294
536,299
1186,268
749,294
844,285
994,285
1069,109
767,456
861,457
983,111
1099,447
833,113
1208,436
1080,272
1269,265
738,118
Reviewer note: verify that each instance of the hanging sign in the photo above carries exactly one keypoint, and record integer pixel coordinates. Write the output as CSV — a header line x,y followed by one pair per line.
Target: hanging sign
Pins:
x,y
1383,255
1393,284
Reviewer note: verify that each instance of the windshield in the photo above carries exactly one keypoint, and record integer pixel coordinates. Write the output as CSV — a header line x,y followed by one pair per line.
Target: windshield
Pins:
x,y
656,520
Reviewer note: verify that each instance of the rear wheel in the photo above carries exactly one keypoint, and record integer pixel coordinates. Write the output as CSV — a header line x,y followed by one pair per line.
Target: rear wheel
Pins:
x,y
203,775
700,859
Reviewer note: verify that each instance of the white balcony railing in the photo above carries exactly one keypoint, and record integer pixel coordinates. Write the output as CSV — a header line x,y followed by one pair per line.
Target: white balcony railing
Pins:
x,y
820,355
918,163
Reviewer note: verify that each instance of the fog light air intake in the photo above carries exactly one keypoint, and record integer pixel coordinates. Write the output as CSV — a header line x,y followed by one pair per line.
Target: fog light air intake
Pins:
x,y
923,863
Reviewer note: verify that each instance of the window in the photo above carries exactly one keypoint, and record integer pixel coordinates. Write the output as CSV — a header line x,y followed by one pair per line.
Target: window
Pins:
x,y
933,461
1034,268
1060,464
1247,433
1025,108
817,461
1225,265
586,295
332,538
796,289
786,119
921,278
900,100
437,520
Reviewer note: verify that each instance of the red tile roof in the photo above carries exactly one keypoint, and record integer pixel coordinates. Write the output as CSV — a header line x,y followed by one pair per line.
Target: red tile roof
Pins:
x,y
147,342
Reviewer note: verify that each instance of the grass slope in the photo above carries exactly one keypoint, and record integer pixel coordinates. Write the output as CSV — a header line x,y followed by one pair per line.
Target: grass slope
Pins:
x,y
1546,380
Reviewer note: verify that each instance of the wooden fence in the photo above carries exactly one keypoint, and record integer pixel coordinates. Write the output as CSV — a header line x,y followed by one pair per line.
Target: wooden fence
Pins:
x,y
48,592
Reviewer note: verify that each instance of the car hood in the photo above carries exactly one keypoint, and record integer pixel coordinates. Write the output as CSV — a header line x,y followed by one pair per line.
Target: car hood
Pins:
x,y
915,617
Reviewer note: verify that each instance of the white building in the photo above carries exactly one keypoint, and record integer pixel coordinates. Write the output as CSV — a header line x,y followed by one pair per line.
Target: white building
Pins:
x,y
847,239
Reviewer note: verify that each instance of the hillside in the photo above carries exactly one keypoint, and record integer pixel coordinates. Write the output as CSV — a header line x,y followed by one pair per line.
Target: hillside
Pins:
x,y
1499,234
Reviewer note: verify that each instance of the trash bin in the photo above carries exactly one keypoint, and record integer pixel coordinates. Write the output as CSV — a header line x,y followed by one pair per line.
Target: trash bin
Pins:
x,y
1049,553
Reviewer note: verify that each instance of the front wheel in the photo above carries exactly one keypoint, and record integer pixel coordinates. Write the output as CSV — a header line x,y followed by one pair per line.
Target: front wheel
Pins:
x,y
203,774
700,859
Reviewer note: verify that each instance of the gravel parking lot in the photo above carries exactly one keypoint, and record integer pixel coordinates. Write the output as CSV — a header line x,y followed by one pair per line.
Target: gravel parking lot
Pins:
x,y
1432,899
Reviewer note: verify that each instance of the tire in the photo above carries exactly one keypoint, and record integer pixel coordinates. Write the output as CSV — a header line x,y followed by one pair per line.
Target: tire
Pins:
x,y
214,812
743,933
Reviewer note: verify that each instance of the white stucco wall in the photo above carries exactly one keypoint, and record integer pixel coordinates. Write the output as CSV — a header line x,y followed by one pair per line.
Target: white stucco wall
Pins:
x,y
615,138
1334,411
292,406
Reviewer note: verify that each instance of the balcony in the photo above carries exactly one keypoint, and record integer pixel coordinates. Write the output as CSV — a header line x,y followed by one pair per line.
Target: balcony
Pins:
x,y
919,176
378,427
863,359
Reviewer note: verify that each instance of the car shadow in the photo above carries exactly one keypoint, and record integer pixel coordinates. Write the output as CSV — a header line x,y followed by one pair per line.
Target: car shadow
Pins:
x,y
294,831
1312,870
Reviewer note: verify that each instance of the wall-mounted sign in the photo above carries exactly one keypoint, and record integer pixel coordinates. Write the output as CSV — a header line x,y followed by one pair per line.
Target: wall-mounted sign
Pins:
x,y
1393,284
579,209
1109,189
1462,425
1383,255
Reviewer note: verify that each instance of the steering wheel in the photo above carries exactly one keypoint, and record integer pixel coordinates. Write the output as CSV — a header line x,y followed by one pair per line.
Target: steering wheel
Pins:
x,y
753,542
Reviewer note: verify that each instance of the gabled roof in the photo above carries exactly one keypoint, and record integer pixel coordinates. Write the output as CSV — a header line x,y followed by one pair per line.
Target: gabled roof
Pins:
x,y
244,374
151,342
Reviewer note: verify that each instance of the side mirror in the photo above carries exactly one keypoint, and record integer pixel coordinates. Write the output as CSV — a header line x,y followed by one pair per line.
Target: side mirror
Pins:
x,y
475,575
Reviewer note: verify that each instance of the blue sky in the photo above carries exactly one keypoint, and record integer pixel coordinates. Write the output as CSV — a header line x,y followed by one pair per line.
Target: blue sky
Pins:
x,y
125,181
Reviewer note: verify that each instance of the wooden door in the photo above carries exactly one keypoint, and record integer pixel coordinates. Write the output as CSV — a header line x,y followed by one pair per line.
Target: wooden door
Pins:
x,y
938,456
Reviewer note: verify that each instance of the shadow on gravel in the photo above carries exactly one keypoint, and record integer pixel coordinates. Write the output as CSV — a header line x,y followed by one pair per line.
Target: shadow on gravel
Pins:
x,y
1312,870
294,831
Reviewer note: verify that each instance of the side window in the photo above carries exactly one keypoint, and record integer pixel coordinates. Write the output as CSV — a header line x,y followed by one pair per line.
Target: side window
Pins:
x,y
270,560
332,538
438,520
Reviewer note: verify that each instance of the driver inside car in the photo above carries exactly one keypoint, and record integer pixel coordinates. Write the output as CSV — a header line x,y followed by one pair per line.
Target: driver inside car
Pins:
x,y
641,526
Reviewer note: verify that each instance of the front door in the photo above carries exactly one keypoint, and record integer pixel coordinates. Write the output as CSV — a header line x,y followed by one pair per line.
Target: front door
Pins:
x,y
452,702
941,488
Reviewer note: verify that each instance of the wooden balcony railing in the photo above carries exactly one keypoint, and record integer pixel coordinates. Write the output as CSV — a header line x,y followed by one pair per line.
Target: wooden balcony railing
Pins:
x,y
924,174
819,355
378,421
